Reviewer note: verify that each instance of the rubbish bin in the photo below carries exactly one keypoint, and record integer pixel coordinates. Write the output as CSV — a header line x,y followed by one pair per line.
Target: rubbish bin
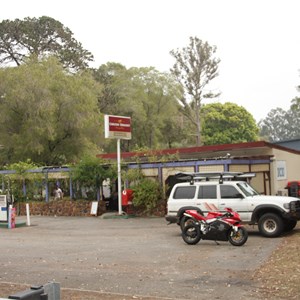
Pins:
x,y
293,188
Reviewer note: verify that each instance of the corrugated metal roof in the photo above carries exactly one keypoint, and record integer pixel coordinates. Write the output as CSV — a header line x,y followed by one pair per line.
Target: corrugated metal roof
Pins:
x,y
202,151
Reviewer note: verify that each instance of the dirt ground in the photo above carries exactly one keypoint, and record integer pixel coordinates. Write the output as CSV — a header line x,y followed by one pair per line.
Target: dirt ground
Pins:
x,y
279,276
97,259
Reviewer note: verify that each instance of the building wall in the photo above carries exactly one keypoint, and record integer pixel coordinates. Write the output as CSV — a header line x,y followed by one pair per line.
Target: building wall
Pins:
x,y
286,167
153,172
212,168
239,168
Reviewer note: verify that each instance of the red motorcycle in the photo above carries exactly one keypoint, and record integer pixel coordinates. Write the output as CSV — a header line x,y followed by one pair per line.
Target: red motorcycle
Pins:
x,y
215,226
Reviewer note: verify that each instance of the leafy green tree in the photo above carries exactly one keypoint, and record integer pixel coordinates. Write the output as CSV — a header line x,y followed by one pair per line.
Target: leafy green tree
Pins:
x,y
115,80
295,118
144,94
282,125
156,95
47,115
227,123
175,132
44,36
91,171
194,69
21,178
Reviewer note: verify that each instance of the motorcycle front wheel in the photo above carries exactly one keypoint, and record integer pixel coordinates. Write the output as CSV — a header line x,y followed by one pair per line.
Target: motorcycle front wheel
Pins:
x,y
191,234
239,237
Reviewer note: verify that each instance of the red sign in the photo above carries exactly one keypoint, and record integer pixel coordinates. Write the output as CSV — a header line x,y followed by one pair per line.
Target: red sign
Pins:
x,y
117,127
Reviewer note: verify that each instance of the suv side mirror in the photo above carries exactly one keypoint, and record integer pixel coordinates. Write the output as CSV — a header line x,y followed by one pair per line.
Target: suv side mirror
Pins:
x,y
240,196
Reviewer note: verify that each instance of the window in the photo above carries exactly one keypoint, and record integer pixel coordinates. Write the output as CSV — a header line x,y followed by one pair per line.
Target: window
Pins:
x,y
281,169
185,192
247,189
229,191
207,192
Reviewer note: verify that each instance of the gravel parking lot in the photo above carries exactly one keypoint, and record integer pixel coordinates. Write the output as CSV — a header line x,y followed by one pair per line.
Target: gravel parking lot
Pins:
x,y
128,258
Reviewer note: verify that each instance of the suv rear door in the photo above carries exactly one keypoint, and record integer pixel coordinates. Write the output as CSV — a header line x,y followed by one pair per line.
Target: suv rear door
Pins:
x,y
207,199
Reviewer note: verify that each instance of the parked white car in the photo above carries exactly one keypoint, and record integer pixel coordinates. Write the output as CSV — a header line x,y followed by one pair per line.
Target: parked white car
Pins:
x,y
216,191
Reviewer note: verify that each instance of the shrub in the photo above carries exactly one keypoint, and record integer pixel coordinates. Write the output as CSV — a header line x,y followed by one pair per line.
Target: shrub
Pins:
x,y
147,194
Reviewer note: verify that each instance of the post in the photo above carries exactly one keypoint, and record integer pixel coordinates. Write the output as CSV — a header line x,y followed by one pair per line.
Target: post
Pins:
x,y
46,186
119,177
27,214
3,185
71,188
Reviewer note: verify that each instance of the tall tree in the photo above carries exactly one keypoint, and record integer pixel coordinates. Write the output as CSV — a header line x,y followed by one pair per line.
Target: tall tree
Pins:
x,y
116,86
282,125
227,123
40,37
157,94
147,96
47,115
194,68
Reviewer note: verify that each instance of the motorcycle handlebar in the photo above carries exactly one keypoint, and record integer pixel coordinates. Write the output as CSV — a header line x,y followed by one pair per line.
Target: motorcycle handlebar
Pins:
x,y
227,215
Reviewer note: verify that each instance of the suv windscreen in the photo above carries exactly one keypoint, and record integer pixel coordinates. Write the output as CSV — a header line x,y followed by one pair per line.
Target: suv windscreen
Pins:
x,y
247,189
207,192
229,191
184,192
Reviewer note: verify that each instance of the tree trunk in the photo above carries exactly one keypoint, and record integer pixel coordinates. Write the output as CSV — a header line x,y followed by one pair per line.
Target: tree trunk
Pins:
x,y
198,124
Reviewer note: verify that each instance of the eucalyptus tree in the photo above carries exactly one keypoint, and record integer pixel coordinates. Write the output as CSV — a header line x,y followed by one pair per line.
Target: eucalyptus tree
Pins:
x,y
116,86
282,125
195,66
146,95
46,114
227,123
44,36
156,96
295,117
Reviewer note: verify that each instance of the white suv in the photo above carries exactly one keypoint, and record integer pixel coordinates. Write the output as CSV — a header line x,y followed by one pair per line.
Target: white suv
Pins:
x,y
202,192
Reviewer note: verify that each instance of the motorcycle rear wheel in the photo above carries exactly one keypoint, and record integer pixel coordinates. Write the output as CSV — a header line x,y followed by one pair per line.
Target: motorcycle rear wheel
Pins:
x,y
191,234
185,221
239,237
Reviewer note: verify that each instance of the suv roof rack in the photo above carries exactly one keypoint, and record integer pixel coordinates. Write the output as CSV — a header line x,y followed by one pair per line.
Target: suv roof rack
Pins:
x,y
198,176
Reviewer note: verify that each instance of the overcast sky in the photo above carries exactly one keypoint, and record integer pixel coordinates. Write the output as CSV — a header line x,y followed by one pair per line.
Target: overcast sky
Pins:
x,y
258,41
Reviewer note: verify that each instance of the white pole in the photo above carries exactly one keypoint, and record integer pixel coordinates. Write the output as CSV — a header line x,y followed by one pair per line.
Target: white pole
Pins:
x,y
27,214
119,178
9,216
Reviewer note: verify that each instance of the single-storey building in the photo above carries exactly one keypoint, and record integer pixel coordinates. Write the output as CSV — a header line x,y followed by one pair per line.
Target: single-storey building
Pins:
x,y
273,164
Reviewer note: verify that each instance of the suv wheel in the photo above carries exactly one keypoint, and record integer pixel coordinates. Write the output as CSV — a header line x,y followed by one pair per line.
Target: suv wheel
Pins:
x,y
270,225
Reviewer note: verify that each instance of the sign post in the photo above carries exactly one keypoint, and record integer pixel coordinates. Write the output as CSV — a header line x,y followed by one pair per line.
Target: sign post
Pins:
x,y
117,127
119,176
